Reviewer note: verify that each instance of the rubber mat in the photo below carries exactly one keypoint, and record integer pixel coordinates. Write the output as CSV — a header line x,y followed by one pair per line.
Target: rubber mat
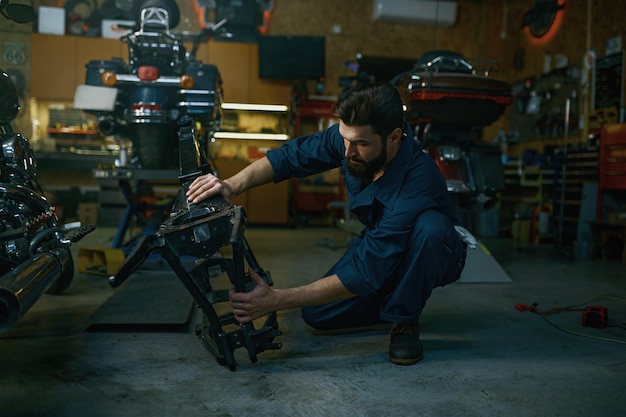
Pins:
x,y
150,300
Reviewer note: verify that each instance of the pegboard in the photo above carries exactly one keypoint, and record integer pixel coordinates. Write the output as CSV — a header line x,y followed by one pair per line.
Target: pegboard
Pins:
x,y
539,105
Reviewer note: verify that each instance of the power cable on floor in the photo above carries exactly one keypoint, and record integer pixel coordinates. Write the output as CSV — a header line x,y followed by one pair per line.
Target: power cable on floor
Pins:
x,y
595,314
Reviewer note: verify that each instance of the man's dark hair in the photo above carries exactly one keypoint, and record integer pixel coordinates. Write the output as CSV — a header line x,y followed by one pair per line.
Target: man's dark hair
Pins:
x,y
375,104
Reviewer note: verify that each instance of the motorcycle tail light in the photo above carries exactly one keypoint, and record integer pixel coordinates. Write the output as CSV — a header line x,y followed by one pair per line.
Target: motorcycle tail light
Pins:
x,y
187,81
148,73
146,106
108,78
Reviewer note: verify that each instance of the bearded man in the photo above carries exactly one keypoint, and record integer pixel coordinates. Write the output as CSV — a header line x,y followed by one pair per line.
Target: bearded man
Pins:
x,y
408,245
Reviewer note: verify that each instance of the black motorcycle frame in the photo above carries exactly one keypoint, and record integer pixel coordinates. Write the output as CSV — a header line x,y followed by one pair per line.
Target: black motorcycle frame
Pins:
x,y
201,231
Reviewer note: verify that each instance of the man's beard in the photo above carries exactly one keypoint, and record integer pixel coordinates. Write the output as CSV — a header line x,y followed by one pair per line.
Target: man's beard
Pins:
x,y
366,171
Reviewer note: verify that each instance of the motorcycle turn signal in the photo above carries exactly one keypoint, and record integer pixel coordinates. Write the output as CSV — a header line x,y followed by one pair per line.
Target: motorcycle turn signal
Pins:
x,y
108,78
187,82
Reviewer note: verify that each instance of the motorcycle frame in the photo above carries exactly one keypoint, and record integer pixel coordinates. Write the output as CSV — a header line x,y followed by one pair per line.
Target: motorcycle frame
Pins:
x,y
200,231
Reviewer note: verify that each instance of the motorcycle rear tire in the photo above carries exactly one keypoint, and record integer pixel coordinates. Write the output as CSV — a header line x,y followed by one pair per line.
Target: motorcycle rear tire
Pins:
x,y
154,145
64,281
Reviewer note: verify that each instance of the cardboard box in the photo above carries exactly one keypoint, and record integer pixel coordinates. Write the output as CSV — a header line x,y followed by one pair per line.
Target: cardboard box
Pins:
x,y
521,230
87,213
51,20
617,217
99,261
111,28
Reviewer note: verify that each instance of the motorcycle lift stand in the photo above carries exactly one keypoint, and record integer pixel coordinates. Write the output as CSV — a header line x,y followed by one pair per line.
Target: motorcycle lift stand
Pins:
x,y
129,181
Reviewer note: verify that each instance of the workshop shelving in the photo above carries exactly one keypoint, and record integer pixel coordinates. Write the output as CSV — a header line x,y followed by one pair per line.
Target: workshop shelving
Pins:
x,y
312,196
573,167
612,164
527,199
247,131
609,229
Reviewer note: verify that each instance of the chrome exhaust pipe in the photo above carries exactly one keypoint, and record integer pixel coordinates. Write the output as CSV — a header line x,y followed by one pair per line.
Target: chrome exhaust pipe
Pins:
x,y
107,126
21,287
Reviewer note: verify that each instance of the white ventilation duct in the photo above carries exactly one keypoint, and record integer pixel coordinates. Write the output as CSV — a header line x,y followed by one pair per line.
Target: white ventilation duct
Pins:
x,y
426,12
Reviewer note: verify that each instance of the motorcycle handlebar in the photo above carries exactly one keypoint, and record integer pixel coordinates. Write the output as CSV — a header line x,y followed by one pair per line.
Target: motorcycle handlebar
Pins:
x,y
106,125
206,34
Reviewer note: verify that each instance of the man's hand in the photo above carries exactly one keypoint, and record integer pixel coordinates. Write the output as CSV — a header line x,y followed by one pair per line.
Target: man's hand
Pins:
x,y
248,306
206,186
263,299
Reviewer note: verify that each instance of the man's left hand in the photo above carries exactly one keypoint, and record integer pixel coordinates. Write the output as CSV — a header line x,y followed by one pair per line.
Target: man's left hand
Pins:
x,y
248,306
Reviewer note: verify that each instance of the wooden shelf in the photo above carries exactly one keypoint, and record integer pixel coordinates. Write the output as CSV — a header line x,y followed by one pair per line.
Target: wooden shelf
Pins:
x,y
71,131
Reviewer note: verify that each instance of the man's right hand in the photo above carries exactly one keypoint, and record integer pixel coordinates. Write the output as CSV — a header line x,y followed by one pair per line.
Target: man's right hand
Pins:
x,y
257,173
206,186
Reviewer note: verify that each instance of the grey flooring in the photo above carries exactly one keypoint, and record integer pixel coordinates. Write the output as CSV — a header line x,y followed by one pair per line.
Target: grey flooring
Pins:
x,y
482,356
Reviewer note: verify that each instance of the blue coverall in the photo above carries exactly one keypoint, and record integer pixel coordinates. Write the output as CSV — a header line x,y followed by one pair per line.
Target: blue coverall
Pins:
x,y
408,246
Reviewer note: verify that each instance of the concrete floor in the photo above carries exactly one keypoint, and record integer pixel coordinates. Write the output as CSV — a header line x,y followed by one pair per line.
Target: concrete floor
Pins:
x,y
482,356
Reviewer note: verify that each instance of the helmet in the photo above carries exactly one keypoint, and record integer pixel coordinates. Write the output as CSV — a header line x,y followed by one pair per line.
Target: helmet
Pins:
x,y
9,104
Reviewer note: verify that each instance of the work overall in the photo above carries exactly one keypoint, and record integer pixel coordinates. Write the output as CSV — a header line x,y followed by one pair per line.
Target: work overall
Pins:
x,y
434,257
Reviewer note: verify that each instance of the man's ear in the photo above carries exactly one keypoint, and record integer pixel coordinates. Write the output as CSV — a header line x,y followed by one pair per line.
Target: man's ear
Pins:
x,y
396,135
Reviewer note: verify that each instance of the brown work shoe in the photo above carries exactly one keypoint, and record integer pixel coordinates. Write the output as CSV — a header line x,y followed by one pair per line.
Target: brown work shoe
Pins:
x,y
405,347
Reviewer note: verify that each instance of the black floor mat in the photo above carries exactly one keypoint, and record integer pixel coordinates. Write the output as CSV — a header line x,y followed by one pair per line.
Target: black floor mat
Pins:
x,y
151,299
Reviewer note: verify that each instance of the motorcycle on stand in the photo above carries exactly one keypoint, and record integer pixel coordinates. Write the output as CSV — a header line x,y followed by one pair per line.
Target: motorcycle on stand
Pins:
x,y
449,101
163,99
140,101
35,256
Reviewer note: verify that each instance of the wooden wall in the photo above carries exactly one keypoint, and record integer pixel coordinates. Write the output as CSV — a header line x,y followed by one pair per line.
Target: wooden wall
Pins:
x,y
585,25
360,34
15,39
484,28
